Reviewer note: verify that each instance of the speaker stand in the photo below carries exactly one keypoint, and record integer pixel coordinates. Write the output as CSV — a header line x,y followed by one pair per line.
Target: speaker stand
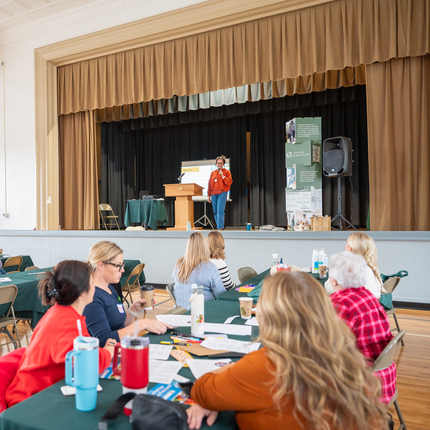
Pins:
x,y
339,214
204,220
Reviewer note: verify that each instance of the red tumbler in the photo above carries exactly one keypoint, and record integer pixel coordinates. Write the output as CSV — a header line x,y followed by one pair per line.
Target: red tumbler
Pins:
x,y
134,369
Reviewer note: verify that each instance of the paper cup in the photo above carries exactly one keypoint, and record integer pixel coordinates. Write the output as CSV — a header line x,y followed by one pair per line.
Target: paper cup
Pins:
x,y
323,271
245,307
147,293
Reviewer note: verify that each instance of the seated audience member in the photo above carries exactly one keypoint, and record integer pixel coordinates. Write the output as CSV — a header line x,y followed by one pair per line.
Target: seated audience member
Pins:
x,y
195,268
9,364
308,375
362,244
2,271
217,257
362,312
69,288
106,316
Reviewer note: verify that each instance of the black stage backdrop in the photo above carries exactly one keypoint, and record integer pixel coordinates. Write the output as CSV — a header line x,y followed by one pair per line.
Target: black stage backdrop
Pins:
x,y
144,154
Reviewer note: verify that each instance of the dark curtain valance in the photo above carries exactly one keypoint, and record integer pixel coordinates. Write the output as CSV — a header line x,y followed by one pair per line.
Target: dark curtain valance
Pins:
x,y
263,106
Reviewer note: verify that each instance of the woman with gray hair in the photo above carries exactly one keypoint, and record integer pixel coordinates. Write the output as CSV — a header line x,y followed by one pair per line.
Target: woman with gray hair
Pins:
x,y
362,312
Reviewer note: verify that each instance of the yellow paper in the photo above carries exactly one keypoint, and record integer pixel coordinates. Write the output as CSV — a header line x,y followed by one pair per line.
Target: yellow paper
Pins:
x,y
245,289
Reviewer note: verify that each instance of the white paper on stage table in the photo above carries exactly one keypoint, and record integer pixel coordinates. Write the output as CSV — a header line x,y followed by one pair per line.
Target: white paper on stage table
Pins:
x,y
238,330
252,321
231,345
200,367
175,320
5,280
163,372
159,352
230,319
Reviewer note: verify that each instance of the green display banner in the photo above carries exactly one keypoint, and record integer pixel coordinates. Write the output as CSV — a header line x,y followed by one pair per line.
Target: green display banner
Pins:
x,y
304,171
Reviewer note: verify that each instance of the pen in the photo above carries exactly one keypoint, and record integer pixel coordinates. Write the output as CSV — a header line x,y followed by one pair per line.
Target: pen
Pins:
x,y
175,343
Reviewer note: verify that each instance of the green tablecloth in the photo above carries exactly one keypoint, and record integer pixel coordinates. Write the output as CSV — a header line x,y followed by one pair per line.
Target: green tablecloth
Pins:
x,y
233,295
26,262
50,410
128,268
145,211
28,304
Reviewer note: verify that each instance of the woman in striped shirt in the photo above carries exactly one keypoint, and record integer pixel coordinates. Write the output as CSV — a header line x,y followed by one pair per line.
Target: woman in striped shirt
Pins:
x,y
217,257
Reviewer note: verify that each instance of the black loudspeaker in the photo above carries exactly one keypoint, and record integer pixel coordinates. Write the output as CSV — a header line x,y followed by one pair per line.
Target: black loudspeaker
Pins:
x,y
337,156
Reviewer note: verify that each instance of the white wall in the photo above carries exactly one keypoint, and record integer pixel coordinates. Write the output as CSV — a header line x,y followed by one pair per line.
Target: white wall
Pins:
x,y
17,120
160,251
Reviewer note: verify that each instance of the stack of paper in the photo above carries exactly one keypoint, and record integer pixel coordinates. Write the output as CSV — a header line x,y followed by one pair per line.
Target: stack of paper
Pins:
x,y
231,345
200,367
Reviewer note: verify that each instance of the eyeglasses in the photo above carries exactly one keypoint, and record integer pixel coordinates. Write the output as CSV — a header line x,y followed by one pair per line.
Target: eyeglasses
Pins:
x,y
118,266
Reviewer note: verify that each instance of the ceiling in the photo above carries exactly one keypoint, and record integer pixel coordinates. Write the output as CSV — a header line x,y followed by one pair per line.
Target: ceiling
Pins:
x,y
26,18
18,12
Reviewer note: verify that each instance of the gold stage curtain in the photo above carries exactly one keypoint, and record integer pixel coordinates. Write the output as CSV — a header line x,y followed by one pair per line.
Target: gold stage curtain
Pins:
x,y
78,172
398,104
331,79
331,36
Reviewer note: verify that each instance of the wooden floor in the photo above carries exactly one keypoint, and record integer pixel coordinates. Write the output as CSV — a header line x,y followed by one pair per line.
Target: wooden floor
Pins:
x,y
413,361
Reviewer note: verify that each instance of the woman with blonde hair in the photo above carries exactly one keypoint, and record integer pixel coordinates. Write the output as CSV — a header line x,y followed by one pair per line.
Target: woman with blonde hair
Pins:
x,y
195,268
106,317
362,244
217,257
308,376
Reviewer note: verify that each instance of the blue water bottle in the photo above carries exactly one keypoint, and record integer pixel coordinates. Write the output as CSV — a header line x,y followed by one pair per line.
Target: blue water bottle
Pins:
x,y
83,371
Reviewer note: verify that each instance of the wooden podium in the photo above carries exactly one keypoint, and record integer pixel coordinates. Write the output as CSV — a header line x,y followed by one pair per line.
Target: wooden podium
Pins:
x,y
184,205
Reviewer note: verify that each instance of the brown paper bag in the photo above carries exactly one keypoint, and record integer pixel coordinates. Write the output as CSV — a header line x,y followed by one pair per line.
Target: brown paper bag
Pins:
x,y
321,223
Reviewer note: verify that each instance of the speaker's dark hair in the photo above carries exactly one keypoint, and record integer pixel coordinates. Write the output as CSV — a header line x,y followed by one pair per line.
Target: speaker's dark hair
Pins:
x,y
67,281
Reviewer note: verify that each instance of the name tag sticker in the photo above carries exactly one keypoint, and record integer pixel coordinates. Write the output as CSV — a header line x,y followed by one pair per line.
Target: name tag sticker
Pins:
x,y
120,308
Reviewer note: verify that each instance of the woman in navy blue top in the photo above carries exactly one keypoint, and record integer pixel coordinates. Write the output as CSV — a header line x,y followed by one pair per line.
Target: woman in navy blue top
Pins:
x,y
106,317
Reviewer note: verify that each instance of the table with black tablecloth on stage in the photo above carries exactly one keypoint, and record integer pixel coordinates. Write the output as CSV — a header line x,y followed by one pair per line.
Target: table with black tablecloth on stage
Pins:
x,y
146,211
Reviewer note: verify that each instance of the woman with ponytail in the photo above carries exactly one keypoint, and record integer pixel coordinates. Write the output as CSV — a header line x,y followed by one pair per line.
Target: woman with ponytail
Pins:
x,y
362,244
68,288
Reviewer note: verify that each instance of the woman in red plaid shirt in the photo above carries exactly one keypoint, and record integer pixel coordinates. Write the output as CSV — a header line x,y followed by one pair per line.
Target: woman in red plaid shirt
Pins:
x,y
362,312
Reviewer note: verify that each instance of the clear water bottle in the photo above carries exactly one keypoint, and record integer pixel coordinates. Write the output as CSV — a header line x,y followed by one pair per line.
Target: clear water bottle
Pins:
x,y
188,226
275,259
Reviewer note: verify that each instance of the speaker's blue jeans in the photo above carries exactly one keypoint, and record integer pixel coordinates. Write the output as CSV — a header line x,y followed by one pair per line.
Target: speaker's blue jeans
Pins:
x,y
218,205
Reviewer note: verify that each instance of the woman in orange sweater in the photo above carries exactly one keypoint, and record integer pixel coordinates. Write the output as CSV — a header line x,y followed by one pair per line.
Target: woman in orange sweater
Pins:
x,y
309,375
69,288
219,185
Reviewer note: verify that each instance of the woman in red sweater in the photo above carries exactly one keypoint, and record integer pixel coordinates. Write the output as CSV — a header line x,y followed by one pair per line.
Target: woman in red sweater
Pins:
x,y
308,376
69,288
219,185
